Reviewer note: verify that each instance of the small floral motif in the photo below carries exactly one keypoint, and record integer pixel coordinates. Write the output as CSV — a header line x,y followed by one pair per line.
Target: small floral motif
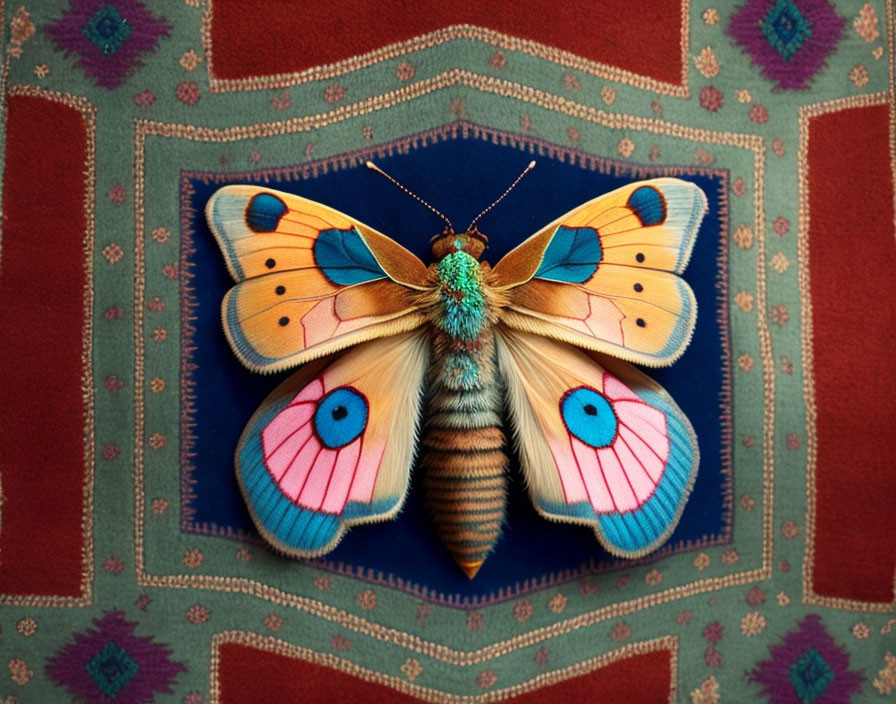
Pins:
x,y
748,441
713,632
159,335
155,304
423,612
888,626
744,301
752,624
587,587
755,597
190,60
187,92
625,147
113,383
161,234
743,237
781,225
806,666
622,582
340,643
620,632
542,656
497,60
787,365
747,502
571,81
779,315
156,441
458,107
159,506
19,672
704,158
739,187
778,147
710,16
859,75
26,626
113,313
243,555
657,107
708,692
41,70
21,28
654,577
475,621
110,662
758,114
522,610
608,95
366,600
885,682
684,617
198,614
701,562
193,697
144,98
113,253
486,679
782,599
712,656
113,565
654,154
707,63
743,96
192,557
861,631
745,362
282,100
784,566
793,441
367,131
333,93
730,557
272,622
411,669
404,71
780,262
142,602
557,603
711,98
877,53
866,23
322,583
789,529
169,271
573,134
110,451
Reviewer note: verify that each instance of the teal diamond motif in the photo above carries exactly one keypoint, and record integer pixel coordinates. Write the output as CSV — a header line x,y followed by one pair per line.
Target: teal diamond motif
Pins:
x,y
111,669
107,29
785,28
810,676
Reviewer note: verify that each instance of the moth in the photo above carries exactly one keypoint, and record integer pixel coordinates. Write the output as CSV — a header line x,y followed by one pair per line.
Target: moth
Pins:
x,y
403,360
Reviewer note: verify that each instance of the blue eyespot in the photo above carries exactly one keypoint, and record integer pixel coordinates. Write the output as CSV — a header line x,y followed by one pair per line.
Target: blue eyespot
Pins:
x,y
341,416
649,205
589,416
264,212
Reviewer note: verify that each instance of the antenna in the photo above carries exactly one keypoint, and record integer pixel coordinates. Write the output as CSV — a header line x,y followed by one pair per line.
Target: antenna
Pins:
x,y
371,165
503,195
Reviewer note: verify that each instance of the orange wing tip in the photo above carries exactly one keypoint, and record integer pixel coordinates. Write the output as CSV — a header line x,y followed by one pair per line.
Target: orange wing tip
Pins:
x,y
470,568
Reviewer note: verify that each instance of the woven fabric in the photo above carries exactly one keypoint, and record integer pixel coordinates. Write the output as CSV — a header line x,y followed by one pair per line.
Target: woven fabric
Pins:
x,y
130,568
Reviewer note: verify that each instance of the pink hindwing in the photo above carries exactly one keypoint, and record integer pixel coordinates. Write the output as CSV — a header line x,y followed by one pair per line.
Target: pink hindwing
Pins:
x,y
333,445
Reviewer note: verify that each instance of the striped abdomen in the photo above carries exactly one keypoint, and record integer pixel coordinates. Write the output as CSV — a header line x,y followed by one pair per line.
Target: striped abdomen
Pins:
x,y
463,457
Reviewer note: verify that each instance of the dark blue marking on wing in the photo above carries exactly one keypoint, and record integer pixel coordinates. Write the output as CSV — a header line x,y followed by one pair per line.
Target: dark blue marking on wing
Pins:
x,y
264,212
572,256
345,259
589,416
341,417
649,205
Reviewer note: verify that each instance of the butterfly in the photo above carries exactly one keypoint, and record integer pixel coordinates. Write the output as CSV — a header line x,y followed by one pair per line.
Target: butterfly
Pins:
x,y
400,360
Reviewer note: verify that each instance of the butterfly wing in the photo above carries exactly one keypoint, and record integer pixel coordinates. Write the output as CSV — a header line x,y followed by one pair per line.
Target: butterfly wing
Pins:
x,y
333,445
311,280
599,442
605,275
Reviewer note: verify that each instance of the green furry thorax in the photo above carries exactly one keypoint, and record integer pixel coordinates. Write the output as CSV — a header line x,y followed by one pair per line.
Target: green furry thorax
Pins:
x,y
463,314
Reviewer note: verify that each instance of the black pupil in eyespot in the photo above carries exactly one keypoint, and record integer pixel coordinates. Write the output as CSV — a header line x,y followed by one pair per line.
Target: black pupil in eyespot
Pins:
x,y
339,413
590,410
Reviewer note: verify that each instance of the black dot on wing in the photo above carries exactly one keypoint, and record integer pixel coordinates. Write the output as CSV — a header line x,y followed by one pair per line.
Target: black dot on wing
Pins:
x,y
640,257
284,321
590,410
640,322
638,288
270,263
280,290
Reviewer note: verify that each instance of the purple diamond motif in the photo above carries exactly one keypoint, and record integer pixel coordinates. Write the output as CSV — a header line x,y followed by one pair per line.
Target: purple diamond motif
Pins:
x,y
789,39
108,37
807,667
110,662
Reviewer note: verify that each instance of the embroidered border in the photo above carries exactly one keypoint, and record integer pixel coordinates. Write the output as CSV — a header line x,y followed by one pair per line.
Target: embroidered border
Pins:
x,y
88,114
274,645
805,114
754,143
442,36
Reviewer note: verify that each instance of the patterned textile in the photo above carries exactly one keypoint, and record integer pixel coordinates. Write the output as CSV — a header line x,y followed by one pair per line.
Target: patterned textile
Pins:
x,y
130,568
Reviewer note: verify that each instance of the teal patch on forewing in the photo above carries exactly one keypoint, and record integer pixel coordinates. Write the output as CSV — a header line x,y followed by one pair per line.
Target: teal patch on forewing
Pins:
x,y
572,255
264,211
649,205
345,259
